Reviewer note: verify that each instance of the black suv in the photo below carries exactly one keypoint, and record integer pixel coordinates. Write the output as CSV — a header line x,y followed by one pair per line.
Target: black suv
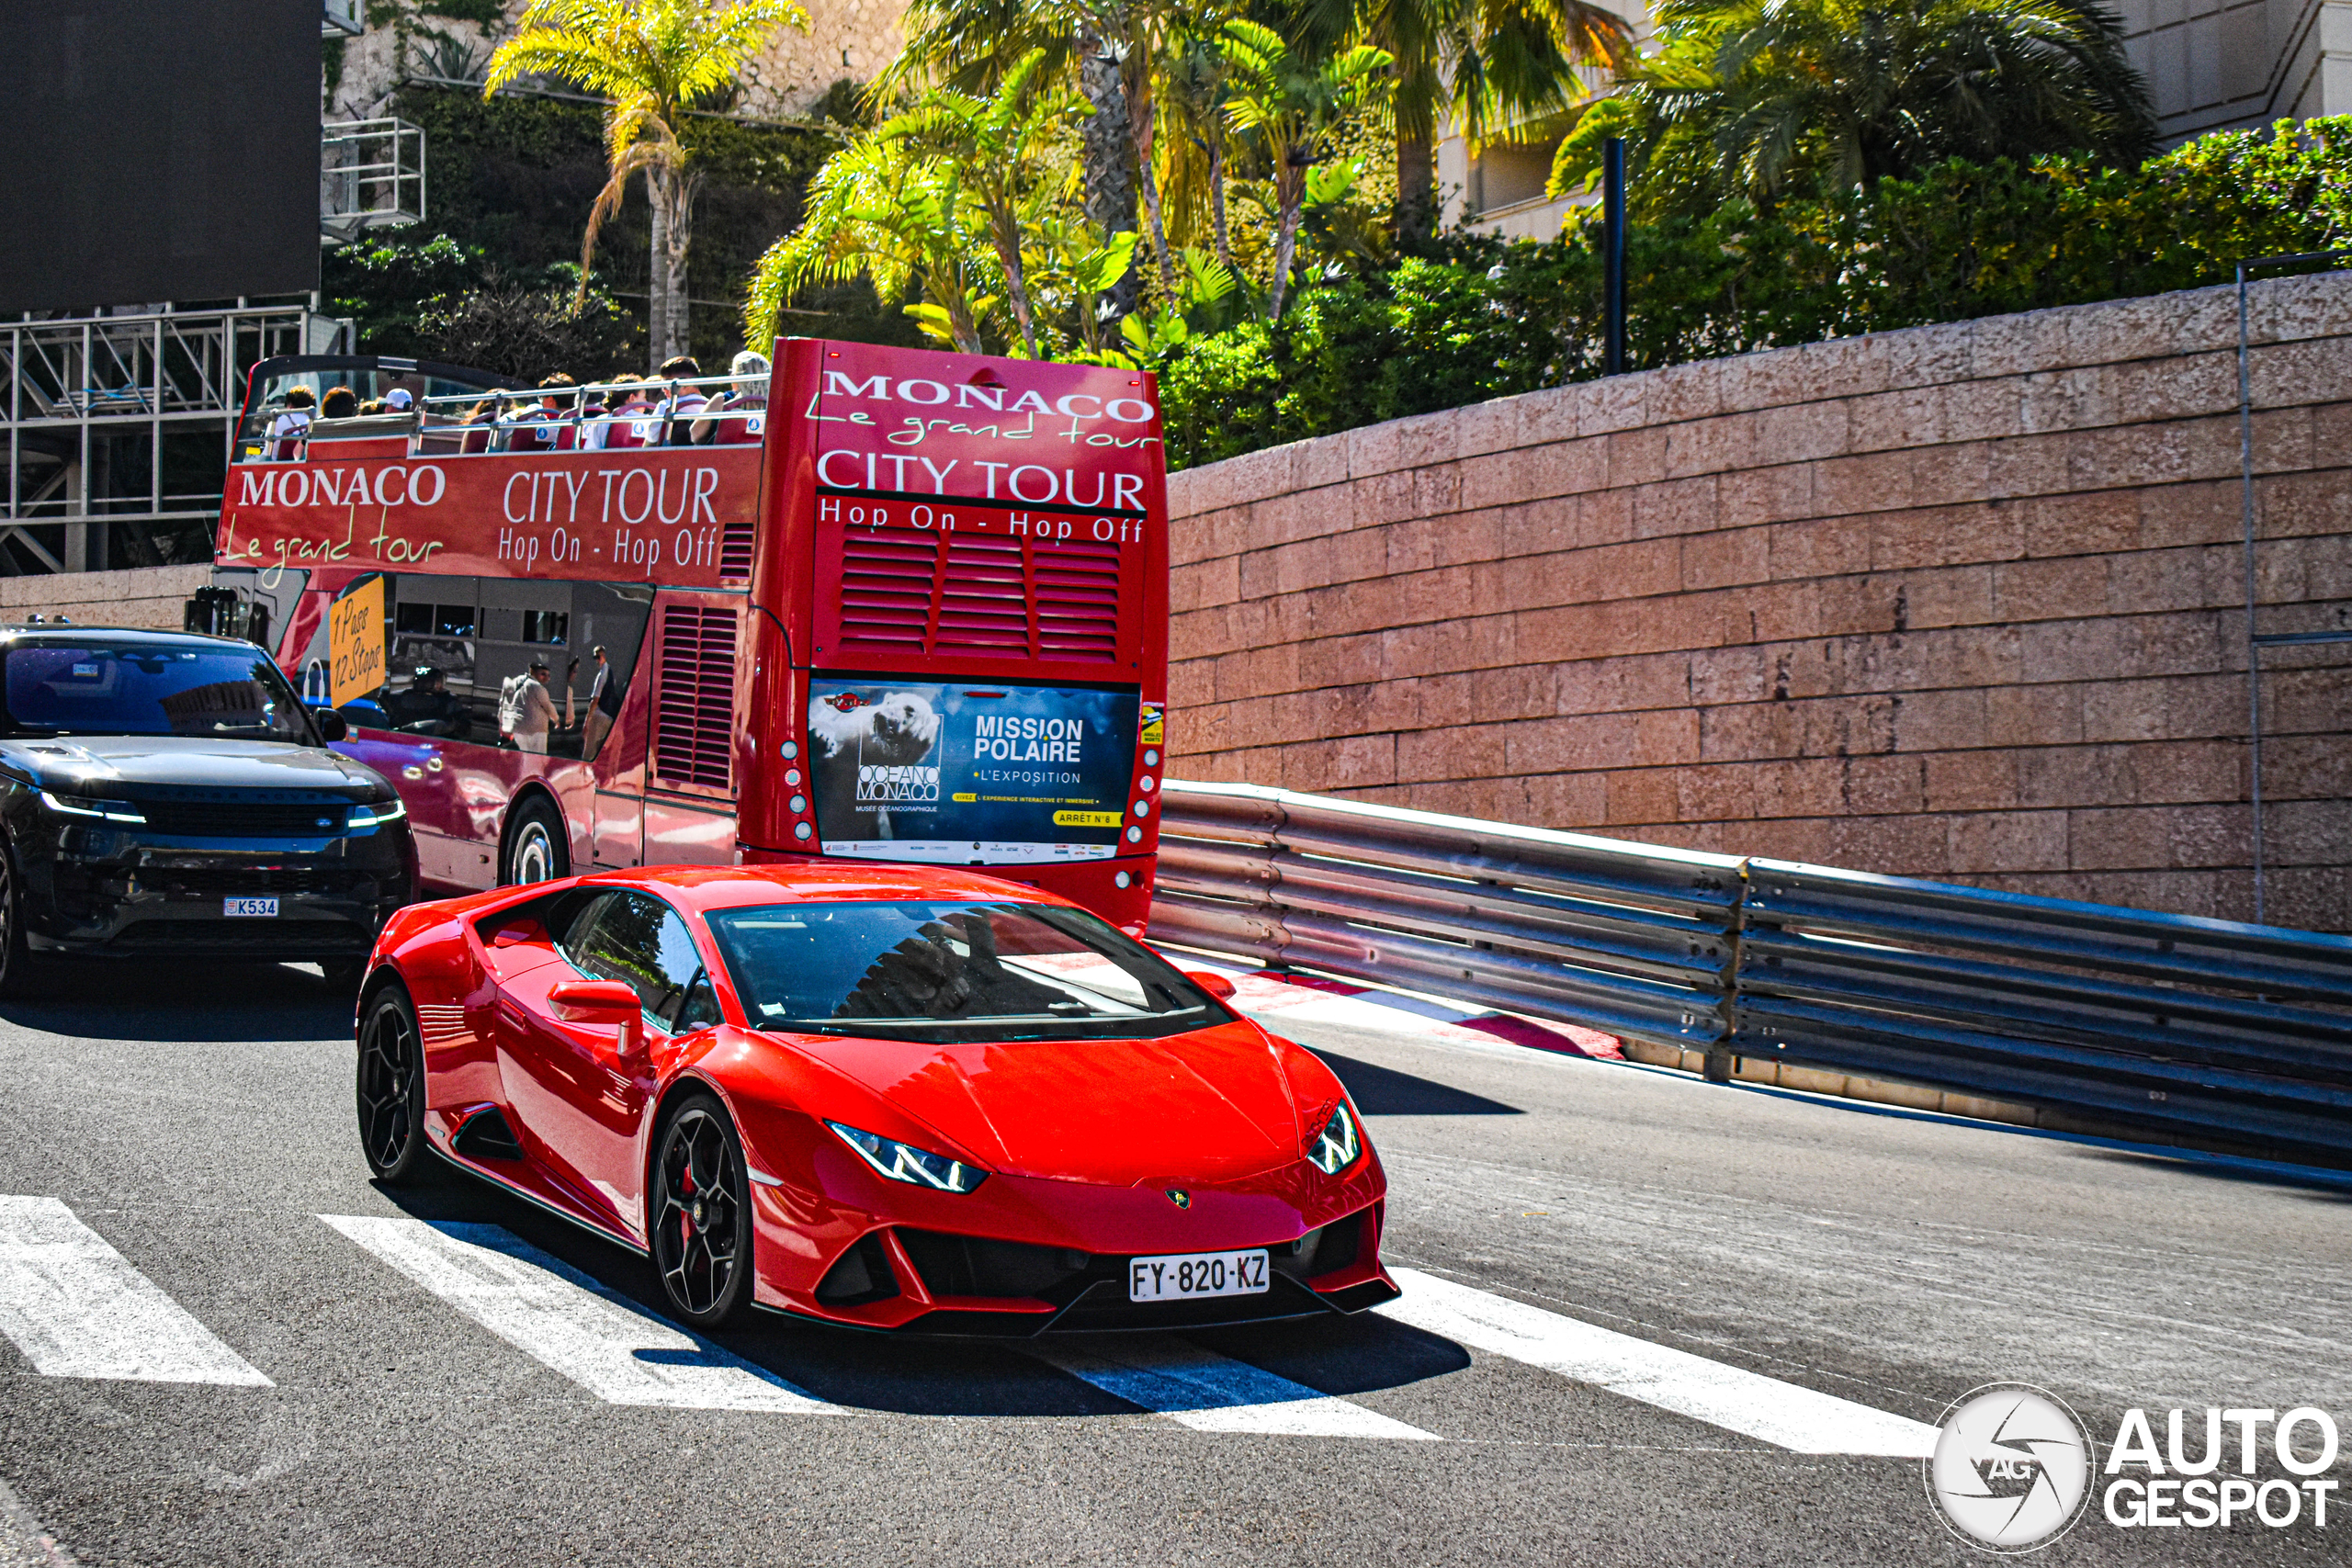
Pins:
x,y
166,794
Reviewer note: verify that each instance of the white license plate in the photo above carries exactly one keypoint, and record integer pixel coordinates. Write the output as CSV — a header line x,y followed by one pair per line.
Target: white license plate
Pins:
x,y
248,906
1179,1276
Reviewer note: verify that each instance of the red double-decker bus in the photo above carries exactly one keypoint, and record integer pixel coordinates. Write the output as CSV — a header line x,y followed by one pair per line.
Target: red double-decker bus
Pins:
x,y
876,604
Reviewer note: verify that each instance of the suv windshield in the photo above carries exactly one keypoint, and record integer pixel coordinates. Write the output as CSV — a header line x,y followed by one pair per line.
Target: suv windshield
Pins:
x,y
81,688
958,971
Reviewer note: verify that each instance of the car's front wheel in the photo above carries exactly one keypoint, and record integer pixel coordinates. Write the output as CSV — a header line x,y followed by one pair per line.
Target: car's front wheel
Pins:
x,y
702,1213
16,954
391,1087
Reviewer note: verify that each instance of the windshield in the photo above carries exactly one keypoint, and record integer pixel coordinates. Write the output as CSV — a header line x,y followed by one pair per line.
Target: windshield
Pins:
x,y
956,970
150,689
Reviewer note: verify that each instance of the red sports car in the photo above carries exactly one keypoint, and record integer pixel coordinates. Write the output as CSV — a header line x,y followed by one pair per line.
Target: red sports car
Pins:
x,y
896,1098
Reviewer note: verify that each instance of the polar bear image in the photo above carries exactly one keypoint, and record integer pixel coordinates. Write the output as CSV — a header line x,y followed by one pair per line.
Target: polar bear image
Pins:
x,y
857,737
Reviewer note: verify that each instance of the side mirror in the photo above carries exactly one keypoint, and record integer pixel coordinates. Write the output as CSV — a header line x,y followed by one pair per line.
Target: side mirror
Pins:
x,y
331,724
600,1002
1216,985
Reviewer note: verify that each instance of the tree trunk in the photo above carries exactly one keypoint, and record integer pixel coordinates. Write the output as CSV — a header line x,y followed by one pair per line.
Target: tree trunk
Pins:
x,y
1290,196
1416,187
1140,129
1217,203
670,194
1110,189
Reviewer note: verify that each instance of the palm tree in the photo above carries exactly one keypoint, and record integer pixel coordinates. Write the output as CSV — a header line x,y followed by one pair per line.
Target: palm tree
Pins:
x,y
886,207
653,61
994,143
1291,102
1483,65
1758,96
1109,47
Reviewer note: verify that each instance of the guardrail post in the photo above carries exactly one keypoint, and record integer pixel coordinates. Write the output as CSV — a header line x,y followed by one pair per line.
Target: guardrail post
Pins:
x,y
1718,1056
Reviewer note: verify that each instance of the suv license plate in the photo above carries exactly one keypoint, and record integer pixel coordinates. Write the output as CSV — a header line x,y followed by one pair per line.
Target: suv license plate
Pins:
x,y
233,907
1179,1276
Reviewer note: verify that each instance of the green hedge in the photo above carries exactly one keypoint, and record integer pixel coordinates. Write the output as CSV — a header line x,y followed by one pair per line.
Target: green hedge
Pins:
x,y
1487,319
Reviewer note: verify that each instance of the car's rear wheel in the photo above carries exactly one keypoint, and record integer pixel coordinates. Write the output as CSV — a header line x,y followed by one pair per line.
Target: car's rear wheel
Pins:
x,y
538,849
391,1087
16,954
702,1213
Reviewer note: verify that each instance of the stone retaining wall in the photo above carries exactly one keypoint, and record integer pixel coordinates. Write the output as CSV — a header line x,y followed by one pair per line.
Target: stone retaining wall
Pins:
x,y
149,597
1964,602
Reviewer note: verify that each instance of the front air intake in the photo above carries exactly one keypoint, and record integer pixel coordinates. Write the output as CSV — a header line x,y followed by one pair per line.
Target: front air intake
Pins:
x,y
903,593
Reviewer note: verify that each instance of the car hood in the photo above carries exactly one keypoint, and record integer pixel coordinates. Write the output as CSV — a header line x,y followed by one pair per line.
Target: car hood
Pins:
x,y
70,762
1208,1106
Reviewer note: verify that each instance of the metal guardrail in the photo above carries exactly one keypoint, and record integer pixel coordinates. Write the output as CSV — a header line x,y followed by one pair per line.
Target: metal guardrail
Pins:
x,y
2181,1025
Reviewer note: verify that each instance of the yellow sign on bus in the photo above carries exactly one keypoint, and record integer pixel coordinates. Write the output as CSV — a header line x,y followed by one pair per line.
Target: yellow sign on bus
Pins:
x,y
356,642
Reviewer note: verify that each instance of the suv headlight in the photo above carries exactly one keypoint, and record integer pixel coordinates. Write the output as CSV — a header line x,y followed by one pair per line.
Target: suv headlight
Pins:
x,y
904,1162
375,814
1337,1146
105,810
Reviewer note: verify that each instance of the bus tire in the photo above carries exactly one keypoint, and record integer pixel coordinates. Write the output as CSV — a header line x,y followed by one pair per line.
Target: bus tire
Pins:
x,y
538,849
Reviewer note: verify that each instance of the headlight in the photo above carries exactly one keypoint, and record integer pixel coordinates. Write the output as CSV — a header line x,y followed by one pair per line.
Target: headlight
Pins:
x,y
105,810
1337,1146
904,1162
375,814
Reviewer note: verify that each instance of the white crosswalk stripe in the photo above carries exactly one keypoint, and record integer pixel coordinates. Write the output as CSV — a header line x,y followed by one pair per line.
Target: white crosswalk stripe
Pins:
x,y
1210,1393
570,1322
77,1308
1726,1396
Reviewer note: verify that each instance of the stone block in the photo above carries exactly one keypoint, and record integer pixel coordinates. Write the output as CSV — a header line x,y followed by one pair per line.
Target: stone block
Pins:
x,y
2067,587
1875,481
1911,416
1723,556
2081,523
1640,795
2071,398
1971,780
1940,721
1989,841
1801,432
1711,445
2033,716
1772,495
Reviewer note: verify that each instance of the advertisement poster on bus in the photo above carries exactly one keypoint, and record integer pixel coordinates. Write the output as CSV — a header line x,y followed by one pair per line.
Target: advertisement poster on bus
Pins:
x,y
926,771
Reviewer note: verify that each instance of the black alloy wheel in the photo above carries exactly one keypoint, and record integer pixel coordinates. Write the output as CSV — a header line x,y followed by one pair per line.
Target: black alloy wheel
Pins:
x,y
702,1214
538,849
391,1087
16,954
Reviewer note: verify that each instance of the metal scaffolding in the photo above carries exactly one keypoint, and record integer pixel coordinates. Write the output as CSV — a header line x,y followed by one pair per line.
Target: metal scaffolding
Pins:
x,y
371,175
118,429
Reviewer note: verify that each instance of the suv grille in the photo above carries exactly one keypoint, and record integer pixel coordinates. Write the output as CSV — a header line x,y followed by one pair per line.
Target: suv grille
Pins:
x,y
247,818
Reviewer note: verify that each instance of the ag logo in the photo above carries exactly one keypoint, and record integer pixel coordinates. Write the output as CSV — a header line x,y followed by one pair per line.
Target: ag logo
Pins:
x,y
2011,1471
1179,1197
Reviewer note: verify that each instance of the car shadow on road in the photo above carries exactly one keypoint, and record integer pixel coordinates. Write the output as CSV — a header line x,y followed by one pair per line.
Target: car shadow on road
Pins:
x,y
169,1001
1385,1091
905,1375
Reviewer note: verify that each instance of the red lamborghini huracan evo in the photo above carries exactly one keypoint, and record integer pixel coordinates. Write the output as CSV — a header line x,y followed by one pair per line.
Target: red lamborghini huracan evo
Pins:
x,y
888,1097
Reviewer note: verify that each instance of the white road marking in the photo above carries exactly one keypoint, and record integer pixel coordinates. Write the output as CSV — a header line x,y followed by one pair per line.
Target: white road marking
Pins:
x,y
570,1322
1210,1393
77,1308
1726,1396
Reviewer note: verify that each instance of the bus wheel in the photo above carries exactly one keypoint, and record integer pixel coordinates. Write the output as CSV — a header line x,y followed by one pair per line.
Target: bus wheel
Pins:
x,y
537,849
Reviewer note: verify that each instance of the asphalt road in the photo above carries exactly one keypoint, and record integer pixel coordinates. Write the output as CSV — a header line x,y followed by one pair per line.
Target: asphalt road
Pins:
x,y
201,1126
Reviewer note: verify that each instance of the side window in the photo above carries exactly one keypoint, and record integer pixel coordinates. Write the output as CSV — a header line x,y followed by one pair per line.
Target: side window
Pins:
x,y
642,942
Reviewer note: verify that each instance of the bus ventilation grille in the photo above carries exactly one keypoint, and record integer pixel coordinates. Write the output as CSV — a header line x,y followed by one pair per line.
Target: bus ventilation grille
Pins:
x,y
979,597
694,720
735,551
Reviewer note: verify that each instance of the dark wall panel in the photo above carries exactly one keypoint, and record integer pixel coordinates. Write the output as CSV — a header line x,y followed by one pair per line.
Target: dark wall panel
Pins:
x,y
157,150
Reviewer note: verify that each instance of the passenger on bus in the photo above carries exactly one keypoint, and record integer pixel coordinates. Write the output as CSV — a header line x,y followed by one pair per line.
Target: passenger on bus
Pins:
x,y
286,431
341,403
631,424
371,408
480,418
558,405
683,403
750,395
400,399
